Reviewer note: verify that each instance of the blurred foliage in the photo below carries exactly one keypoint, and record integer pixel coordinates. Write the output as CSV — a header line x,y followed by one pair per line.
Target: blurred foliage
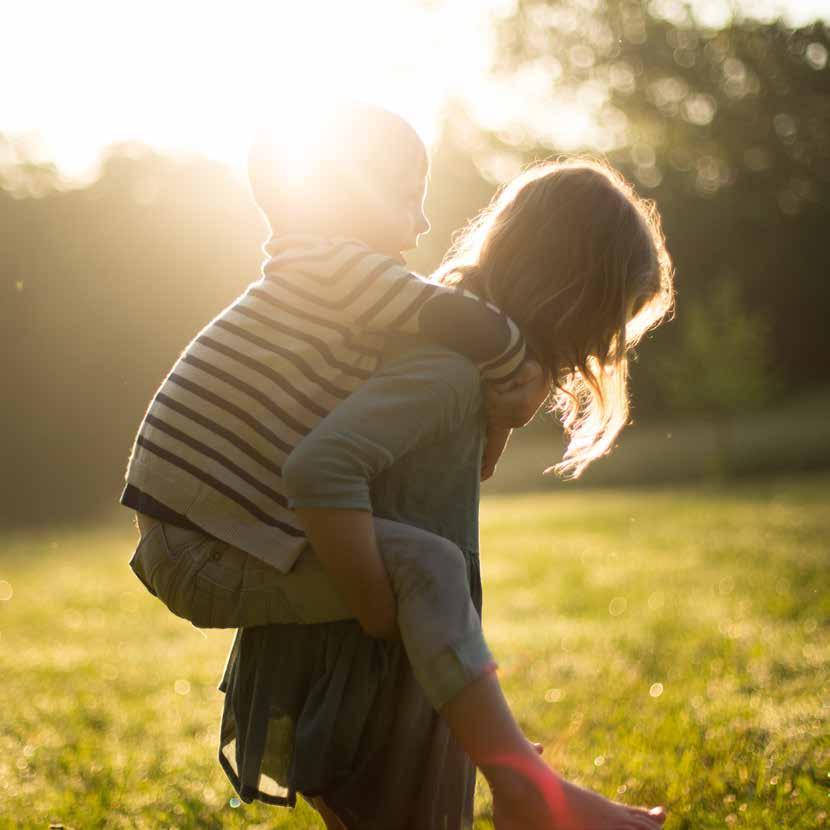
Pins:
x,y
102,288
721,366
728,130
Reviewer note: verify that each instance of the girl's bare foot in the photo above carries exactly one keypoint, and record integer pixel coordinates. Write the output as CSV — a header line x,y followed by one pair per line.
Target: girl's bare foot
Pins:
x,y
527,794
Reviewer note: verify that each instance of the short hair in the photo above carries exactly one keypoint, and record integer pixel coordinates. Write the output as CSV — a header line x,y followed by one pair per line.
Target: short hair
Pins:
x,y
328,172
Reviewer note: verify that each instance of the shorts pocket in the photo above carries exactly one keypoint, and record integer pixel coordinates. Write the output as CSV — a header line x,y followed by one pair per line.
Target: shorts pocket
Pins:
x,y
233,589
217,589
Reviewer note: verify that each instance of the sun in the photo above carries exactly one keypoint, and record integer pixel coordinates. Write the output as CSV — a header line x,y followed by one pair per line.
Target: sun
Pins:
x,y
193,77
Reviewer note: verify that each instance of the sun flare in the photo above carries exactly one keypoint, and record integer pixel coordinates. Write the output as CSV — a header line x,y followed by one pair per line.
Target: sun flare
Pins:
x,y
190,77
203,78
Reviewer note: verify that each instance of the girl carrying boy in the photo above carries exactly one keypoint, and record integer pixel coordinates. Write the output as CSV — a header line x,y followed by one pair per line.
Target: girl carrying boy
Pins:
x,y
581,339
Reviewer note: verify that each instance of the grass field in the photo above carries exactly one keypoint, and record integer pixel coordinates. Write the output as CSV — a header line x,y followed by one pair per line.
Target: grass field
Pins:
x,y
666,645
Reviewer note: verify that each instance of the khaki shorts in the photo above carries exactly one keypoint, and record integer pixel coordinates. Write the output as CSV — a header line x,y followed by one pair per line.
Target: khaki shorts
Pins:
x,y
216,585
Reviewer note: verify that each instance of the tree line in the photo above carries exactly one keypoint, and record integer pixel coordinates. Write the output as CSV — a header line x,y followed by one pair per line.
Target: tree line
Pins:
x,y
728,130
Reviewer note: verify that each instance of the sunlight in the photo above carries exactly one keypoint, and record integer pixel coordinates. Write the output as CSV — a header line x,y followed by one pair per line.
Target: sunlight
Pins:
x,y
202,78
190,77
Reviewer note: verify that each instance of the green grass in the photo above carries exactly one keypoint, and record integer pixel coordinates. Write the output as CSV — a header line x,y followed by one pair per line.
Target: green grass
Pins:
x,y
791,437
667,646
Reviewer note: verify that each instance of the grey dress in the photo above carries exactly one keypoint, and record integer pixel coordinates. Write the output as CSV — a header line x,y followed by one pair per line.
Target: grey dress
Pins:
x,y
323,709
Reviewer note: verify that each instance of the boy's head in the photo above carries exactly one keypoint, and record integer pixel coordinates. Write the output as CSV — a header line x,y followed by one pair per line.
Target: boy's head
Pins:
x,y
356,170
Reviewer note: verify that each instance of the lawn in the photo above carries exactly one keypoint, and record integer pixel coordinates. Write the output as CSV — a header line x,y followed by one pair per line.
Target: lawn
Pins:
x,y
666,645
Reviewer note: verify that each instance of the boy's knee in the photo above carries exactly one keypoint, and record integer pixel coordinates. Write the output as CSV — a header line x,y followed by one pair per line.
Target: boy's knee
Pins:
x,y
437,561
417,559
445,553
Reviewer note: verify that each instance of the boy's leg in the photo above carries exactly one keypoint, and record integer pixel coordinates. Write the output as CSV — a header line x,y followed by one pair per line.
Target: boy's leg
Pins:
x,y
439,626
442,634
216,585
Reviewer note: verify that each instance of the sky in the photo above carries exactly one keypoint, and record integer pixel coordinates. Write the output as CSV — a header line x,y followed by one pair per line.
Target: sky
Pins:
x,y
199,77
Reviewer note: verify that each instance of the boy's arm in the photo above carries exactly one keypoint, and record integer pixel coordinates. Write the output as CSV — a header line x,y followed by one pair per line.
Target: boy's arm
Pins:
x,y
347,283
327,476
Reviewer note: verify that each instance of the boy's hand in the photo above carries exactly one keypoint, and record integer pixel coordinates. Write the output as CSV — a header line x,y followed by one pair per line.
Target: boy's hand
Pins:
x,y
515,403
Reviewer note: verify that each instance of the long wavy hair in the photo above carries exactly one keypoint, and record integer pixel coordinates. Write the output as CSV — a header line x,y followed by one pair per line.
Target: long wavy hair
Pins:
x,y
579,261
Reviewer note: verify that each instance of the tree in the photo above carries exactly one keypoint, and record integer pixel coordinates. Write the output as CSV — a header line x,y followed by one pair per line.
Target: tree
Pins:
x,y
721,366
727,129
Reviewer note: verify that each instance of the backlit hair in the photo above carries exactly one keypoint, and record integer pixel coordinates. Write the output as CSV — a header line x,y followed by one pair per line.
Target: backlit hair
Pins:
x,y
579,261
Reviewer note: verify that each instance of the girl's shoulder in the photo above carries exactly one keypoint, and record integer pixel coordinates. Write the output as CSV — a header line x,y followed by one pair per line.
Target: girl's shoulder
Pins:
x,y
432,365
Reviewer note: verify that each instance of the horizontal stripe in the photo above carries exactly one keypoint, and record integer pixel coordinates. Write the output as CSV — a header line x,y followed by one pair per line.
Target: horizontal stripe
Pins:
x,y
283,261
265,371
344,331
267,297
288,284
354,293
231,409
509,376
254,510
416,305
384,301
402,277
260,294
347,267
285,354
339,313
314,342
504,360
222,432
250,391
215,455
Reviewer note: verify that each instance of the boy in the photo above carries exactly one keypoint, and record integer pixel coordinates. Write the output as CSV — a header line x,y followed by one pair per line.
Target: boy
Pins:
x,y
205,474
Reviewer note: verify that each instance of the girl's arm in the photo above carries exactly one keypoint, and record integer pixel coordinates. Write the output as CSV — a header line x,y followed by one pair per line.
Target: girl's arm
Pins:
x,y
413,400
511,405
344,541
345,282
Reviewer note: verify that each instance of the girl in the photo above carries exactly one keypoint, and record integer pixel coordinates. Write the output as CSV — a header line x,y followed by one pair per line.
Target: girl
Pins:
x,y
219,544
571,254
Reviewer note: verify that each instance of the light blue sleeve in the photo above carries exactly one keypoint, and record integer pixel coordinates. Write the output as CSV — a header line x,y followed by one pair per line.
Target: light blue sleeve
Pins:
x,y
417,397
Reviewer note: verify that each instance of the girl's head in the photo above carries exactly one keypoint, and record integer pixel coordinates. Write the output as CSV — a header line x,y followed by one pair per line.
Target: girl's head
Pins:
x,y
350,169
578,260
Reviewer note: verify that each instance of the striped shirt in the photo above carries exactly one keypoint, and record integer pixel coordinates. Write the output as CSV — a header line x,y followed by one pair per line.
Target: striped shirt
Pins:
x,y
270,366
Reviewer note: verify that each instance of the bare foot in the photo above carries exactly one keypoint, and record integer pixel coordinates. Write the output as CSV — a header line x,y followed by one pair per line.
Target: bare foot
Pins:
x,y
528,795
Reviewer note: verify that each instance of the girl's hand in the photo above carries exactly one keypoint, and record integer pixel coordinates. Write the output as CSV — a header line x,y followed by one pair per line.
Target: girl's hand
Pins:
x,y
495,442
511,405
515,403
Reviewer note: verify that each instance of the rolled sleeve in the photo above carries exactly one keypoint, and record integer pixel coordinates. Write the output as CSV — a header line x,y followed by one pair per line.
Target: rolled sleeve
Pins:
x,y
418,396
332,469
